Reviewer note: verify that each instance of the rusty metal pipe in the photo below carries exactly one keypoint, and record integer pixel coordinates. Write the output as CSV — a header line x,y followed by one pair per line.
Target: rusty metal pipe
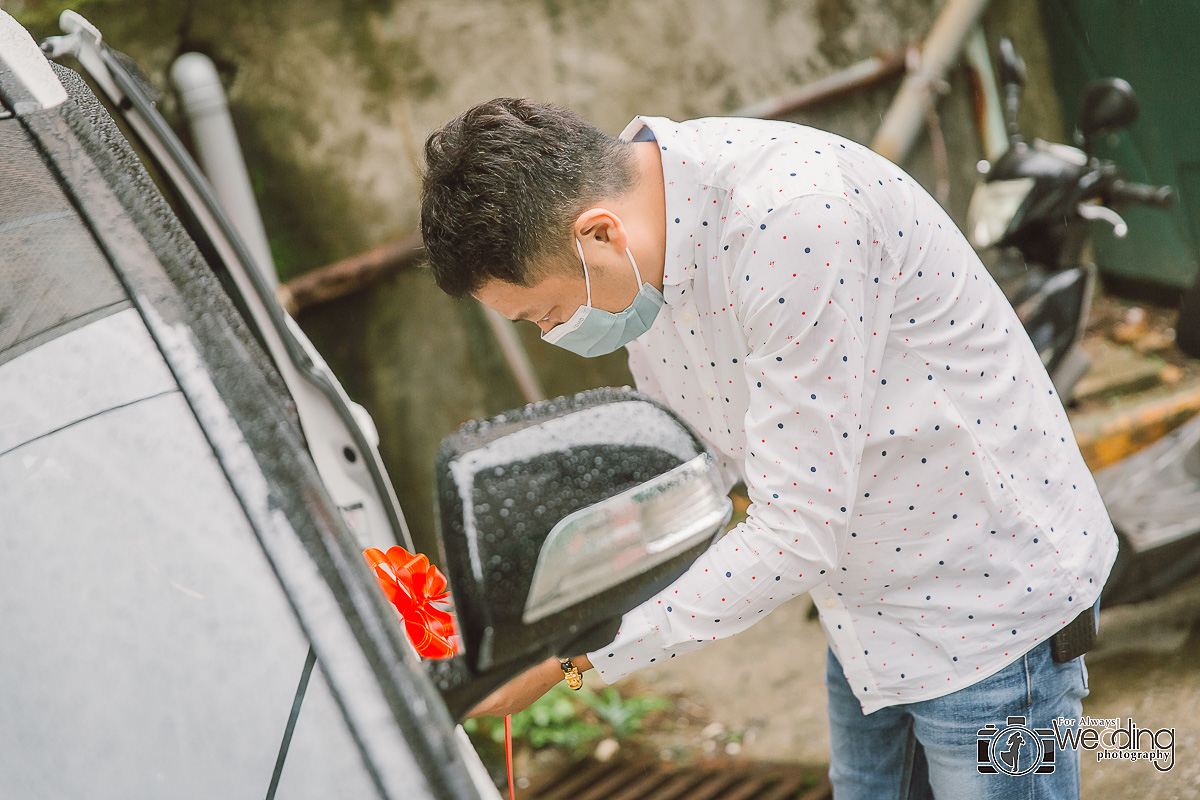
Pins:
x,y
862,75
354,274
350,275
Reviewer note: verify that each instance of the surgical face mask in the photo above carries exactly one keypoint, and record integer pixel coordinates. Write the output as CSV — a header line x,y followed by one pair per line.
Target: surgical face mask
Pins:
x,y
593,331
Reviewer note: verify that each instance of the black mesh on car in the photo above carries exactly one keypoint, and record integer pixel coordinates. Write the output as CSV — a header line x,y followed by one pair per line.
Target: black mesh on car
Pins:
x,y
53,277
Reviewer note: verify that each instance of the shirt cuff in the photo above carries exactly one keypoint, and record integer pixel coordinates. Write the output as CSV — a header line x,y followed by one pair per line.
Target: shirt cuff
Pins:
x,y
600,674
642,641
635,646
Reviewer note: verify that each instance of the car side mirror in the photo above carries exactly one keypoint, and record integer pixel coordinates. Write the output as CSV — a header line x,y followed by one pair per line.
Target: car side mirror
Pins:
x,y
1109,105
558,518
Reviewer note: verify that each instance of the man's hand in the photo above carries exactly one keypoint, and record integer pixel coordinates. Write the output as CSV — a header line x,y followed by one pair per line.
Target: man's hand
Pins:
x,y
519,693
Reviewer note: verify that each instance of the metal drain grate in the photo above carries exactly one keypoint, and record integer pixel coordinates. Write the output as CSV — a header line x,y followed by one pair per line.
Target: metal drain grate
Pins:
x,y
710,780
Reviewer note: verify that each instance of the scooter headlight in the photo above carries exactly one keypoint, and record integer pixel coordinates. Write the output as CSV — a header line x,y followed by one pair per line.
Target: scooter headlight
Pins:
x,y
993,206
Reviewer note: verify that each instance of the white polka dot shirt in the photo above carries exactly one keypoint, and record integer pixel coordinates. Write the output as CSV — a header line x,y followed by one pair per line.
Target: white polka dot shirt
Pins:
x,y
835,339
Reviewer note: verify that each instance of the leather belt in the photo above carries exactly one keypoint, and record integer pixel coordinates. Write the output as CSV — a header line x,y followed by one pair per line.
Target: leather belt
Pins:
x,y
1076,637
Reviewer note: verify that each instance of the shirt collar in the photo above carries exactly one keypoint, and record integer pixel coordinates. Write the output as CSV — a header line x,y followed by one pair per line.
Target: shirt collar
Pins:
x,y
681,194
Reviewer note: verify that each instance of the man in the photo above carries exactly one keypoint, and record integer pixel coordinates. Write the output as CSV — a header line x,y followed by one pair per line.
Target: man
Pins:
x,y
816,316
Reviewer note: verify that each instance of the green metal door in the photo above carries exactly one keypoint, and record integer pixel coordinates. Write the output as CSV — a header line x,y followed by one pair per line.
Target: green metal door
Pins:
x,y
1155,45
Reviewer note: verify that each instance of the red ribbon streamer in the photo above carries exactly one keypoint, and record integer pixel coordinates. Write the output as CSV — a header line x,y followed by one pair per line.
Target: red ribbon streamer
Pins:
x,y
512,794
413,586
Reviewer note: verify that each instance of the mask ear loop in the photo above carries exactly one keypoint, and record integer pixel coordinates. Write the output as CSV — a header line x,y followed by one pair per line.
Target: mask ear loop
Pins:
x,y
636,274
586,280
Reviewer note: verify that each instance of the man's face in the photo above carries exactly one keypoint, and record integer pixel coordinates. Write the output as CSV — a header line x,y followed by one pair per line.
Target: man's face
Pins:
x,y
547,303
553,300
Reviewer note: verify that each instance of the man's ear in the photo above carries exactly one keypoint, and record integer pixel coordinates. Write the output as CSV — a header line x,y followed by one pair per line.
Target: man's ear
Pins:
x,y
601,225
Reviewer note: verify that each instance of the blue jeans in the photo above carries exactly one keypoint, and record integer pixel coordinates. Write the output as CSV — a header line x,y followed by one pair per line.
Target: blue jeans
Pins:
x,y
931,748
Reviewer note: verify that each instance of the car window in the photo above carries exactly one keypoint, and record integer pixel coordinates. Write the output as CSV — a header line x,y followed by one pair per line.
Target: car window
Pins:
x,y
146,646
56,277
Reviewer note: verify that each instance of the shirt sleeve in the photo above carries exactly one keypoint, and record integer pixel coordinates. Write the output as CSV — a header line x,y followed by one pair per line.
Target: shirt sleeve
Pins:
x,y
802,288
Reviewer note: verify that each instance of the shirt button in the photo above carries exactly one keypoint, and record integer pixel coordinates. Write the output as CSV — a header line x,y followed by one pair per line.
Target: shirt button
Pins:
x,y
687,316
830,603
711,394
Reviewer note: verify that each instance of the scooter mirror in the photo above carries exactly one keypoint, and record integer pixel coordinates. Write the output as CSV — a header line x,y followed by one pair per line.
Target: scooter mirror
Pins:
x,y
1109,104
1012,77
1012,66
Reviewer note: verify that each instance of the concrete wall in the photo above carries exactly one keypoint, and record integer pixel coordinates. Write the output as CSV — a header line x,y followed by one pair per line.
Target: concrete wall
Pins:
x,y
334,101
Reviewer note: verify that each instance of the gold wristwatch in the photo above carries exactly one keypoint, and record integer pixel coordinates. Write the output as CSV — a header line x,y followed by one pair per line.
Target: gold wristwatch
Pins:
x,y
571,672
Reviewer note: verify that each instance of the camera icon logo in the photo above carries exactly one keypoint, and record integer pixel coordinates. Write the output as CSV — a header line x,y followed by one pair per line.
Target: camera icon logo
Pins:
x,y
1015,749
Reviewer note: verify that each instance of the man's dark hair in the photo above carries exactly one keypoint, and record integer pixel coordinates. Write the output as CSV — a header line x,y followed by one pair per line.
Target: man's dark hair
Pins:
x,y
503,184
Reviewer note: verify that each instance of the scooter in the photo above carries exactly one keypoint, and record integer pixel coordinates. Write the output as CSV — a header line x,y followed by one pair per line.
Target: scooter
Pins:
x,y
1035,204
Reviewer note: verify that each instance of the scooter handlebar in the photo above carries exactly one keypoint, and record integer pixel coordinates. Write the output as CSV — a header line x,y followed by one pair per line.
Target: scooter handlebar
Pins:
x,y
1120,191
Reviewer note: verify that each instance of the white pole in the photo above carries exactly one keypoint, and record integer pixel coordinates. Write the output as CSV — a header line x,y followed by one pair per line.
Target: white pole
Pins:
x,y
220,155
903,122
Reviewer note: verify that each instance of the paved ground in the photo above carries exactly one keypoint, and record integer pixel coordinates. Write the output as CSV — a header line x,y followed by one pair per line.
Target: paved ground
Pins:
x,y
765,687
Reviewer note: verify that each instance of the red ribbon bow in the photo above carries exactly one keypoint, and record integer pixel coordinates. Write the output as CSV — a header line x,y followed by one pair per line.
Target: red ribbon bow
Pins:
x,y
413,585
